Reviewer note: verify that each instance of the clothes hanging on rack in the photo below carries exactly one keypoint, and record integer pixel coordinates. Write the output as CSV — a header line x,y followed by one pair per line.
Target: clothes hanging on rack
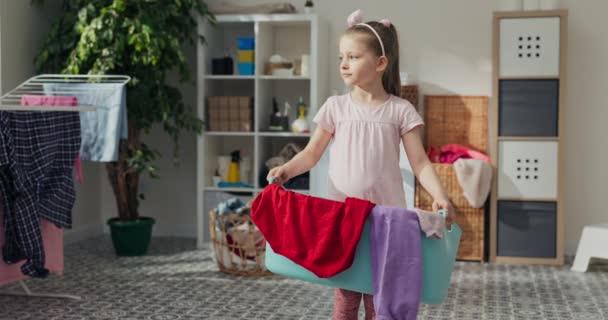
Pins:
x,y
37,152
102,129
34,100
52,239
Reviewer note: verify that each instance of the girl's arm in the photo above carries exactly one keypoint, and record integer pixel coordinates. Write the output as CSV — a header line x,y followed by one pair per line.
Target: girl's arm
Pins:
x,y
423,170
304,160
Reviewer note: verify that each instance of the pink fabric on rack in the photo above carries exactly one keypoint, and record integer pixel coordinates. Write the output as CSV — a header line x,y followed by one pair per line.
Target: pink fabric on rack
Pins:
x,y
52,239
64,101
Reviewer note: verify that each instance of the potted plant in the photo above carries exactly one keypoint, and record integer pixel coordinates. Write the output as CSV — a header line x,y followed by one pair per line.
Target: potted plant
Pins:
x,y
142,39
308,6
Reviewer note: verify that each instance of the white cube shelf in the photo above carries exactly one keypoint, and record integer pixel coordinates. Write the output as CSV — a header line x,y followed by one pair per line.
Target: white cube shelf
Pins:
x,y
529,47
527,169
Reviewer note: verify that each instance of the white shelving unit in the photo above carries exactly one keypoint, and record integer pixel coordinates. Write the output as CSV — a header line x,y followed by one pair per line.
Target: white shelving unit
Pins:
x,y
290,35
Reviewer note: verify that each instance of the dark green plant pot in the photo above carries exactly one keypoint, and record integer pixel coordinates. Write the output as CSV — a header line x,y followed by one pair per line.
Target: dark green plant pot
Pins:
x,y
131,238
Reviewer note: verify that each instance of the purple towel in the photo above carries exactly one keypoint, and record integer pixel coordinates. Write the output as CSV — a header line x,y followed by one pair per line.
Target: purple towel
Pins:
x,y
396,263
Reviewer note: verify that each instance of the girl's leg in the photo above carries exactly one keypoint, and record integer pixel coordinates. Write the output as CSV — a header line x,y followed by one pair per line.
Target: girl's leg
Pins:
x,y
346,304
368,303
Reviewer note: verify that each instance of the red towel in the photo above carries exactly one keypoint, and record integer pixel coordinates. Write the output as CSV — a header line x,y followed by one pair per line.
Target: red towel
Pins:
x,y
320,235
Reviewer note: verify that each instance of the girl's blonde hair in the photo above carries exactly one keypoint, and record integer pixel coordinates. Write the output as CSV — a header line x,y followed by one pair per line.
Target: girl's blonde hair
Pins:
x,y
388,35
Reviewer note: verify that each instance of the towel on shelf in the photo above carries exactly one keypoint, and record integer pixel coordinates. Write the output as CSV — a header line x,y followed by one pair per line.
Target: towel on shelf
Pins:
x,y
101,129
475,178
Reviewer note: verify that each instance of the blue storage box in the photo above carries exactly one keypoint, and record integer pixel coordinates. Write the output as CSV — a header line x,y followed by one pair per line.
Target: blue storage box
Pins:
x,y
438,258
246,43
246,68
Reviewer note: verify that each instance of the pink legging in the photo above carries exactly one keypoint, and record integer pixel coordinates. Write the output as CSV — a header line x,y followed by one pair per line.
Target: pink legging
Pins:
x,y
346,305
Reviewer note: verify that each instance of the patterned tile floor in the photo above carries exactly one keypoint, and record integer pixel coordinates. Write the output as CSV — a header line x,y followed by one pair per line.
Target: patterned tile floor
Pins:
x,y
176,281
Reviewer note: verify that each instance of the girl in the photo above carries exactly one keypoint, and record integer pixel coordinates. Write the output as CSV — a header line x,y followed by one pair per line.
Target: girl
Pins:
x,y
366,126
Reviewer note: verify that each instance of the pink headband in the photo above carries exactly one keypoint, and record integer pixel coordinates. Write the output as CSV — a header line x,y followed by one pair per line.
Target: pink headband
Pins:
x,y
356,18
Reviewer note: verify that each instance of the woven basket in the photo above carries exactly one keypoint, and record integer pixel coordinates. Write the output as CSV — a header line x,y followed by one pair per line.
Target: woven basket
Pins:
x,y
410,93
462,120
469,219
238,245
456,119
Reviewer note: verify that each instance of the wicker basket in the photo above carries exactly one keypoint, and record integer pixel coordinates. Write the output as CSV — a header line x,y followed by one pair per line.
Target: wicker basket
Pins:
x,y
456,119
238,245
462,120
410,93
469,219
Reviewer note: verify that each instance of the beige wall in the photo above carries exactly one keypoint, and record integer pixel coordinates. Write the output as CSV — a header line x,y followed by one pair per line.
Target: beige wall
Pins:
x,y
23,28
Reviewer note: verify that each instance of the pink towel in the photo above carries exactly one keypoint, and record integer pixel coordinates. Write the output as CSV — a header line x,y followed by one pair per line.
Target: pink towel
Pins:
x,y
64,101
52,240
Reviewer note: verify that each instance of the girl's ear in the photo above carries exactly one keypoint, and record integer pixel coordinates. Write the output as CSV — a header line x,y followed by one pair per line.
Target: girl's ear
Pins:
x,y
382,64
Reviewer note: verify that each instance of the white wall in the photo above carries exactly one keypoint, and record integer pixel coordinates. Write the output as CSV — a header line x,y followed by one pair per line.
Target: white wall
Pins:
x,y
446,48
171,200
24,28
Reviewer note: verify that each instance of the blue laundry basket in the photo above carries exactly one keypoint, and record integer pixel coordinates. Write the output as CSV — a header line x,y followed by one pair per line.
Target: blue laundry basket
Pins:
x,y
438,258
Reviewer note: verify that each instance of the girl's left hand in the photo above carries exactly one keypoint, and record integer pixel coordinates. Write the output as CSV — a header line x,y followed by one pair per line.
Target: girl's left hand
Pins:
x,y
447,206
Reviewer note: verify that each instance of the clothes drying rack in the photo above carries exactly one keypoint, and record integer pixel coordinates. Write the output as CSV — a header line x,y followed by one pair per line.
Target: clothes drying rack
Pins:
x,y
35,86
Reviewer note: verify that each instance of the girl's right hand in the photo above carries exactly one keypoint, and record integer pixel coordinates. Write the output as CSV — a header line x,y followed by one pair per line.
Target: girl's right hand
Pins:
x,y
279,174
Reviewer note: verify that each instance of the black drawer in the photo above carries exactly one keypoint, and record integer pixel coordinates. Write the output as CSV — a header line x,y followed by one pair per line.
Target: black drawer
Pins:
x,y
527,229
528,108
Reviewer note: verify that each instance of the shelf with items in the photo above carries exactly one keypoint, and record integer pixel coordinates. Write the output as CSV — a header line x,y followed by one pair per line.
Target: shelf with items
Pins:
x,y
228,107
283,50
290,36
223,48
527,207
218,151
273,151
285,96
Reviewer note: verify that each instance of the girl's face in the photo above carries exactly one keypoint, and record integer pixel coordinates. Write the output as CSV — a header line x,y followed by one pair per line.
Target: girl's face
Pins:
x,y
358,64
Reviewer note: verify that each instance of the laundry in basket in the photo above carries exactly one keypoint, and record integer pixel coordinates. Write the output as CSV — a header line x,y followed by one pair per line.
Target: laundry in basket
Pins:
x,y
438,258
